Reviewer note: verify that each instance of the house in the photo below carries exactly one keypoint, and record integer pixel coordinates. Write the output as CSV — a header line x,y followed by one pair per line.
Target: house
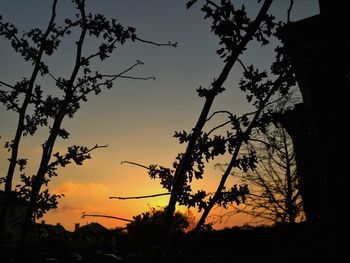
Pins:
x,y
47,231
320,55
94,239
91,235
50,240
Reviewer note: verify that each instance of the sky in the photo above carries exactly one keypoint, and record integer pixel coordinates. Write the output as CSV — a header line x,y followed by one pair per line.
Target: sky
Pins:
x,y
137,118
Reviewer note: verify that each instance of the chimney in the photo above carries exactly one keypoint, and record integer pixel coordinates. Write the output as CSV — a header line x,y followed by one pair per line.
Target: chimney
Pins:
x,y
43,222
77,225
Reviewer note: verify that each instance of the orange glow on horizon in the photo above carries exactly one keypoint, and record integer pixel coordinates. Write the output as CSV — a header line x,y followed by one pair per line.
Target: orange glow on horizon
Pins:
x,y
93,198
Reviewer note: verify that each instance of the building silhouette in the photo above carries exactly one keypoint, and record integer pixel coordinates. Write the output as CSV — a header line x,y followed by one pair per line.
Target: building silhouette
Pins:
x,y
319,47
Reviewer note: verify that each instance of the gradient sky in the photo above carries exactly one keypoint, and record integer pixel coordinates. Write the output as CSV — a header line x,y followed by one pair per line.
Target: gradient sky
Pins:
x,y
137,119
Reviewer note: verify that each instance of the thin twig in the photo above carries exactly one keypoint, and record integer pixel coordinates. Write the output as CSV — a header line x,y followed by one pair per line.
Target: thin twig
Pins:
x,y
219,126
137,197
113,77
213,4
217,112
54,78
7,85
289,10
243,66
137,164
157,44
138,78
113,217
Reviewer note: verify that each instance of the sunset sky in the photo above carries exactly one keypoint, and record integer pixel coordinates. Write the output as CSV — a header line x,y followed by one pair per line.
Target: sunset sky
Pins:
x,y
137,119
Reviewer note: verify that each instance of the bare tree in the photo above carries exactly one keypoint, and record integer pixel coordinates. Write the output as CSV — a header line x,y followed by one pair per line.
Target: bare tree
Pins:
x,y
274,183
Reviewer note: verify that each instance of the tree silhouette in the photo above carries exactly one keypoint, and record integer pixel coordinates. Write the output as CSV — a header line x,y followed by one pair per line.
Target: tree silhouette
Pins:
x,y
146,233
35,108
234,29
225,18
152,223
274,184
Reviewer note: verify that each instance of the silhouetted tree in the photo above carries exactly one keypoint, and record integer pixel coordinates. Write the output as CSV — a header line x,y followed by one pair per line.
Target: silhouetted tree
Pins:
x,y
146,233
35,108
234,29
274,184
152,223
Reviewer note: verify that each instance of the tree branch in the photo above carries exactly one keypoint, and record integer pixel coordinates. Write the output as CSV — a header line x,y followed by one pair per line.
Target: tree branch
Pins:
x,y
234,157
113,217
289,11
180,173
7,85
218,127
174,44
217,112
137,197
120,75
243,66
136,164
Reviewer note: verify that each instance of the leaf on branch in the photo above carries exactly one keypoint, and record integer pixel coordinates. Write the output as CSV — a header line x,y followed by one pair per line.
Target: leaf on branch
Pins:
x,y
182,136
164,174
202,92
8,145
63,133
22,164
